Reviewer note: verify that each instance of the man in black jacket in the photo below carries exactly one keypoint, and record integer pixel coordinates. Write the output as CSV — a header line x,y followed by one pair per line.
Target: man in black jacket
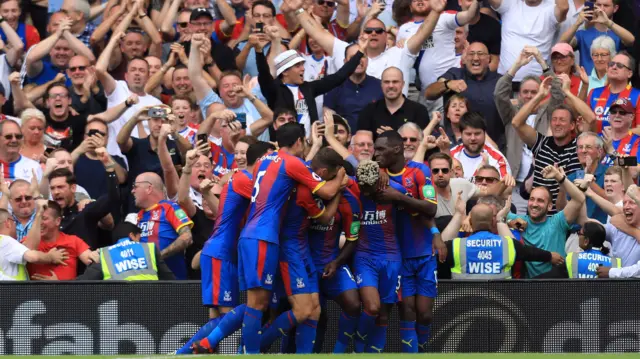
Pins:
x,y
82,221
289,90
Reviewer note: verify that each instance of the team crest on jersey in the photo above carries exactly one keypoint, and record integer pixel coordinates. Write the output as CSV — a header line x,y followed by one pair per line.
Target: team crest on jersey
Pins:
x,y
627,148
315,176
358,279
155,215
299,283
599,110
269,279
408,182
227,296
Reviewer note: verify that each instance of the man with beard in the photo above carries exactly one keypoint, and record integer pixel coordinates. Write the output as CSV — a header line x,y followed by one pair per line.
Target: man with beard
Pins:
x,y
411,137
476,82
359,90
474,151
394,109
558,149
418,244
235,94
87,96
518,154
162,222
544,231
51,56
118,91
83,222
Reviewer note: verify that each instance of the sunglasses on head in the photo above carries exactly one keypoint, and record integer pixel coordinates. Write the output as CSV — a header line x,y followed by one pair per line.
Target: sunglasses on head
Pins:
x,y
183,24
618,65
10,136
76,68
444,171
410,139
371,30
328,3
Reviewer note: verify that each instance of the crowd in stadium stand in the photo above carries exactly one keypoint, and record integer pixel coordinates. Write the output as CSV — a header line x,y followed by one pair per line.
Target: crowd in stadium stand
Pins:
x,y
354,150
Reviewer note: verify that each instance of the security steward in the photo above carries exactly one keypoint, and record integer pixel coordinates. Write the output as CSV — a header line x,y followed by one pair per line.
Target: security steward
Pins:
x,y
128,259
487,255
585,264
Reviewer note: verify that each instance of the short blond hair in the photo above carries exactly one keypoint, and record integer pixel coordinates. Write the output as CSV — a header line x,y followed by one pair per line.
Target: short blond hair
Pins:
x,y
31,113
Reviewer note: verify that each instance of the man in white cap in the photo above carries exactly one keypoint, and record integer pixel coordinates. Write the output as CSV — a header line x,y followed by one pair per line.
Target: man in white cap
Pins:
x,y
289,90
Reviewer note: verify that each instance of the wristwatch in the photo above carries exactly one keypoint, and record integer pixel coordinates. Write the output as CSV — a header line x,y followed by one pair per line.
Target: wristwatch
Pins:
x,y
298,12
446,84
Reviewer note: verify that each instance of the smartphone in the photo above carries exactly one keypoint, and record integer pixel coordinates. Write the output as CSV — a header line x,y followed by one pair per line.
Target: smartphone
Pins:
x,y
242,117
157,112
630,161
589,6
48,150
203,137
260,27
93,132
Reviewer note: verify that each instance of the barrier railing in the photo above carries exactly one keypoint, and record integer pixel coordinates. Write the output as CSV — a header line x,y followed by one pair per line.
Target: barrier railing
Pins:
x,y
147,318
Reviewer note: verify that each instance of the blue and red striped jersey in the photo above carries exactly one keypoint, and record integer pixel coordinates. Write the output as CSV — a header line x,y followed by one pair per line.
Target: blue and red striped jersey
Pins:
x,y
378,238
223,160
301,208
160,224
234,201
414,236
627,145
324,240
275,175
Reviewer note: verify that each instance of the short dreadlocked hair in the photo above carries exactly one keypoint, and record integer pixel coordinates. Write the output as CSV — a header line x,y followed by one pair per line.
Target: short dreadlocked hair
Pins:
x,y
368,173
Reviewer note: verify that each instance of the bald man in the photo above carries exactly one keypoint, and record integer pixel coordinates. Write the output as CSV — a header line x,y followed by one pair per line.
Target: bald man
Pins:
x,y
162,222
394,110
485,254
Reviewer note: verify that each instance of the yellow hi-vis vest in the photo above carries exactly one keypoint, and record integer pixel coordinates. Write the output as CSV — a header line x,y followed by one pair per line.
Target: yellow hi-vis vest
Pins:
x,y
22,270
128,260
585,264
483,255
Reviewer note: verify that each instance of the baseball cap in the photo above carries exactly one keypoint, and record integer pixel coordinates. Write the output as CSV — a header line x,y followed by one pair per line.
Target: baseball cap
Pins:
x,y
197,12
286,60
624,104
562,48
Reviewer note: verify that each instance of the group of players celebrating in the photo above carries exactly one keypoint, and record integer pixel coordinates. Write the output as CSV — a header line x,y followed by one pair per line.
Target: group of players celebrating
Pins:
x,y
277,234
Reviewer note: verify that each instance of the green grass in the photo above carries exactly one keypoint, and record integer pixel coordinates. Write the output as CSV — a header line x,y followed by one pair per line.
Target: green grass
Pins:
x,y
361,356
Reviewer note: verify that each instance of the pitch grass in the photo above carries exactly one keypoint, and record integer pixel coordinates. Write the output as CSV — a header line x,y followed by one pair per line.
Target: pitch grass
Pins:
x,y
355,356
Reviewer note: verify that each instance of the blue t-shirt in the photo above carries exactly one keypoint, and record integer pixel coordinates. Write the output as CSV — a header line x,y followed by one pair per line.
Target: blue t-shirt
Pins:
x,y
250,66
585,39
593,211
549,235
246,107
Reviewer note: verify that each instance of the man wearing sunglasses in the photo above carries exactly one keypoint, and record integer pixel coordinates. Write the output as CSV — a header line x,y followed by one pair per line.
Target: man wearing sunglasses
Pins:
x,y
380,58
619,73
15,166
87,95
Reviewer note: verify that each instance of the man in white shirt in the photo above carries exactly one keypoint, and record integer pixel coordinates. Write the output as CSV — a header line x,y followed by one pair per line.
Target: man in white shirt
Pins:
x,y
438,52
380,57
474,151
528,22
117,92
14,255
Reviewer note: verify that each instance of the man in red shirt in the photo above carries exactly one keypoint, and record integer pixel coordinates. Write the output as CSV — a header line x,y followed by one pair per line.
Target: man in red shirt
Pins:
x,y
47,222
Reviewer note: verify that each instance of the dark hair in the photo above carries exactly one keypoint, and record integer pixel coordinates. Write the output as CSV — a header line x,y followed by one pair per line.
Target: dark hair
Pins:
x,y
248,139
339,120
346,49
55,84
596,234
289,133
453,97
401,11
69,177
264,3
572,116
179,66
283,110
57,210
106,125
441,156
632,61
258,150
137,58
472,119
393,138
124,230
327,157
228,73
546,189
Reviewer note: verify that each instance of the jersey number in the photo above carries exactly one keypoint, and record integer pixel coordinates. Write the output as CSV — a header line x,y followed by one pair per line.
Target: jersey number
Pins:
x,y
256,186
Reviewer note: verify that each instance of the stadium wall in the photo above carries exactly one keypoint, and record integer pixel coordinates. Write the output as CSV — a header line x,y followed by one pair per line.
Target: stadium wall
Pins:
x,y
146,318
